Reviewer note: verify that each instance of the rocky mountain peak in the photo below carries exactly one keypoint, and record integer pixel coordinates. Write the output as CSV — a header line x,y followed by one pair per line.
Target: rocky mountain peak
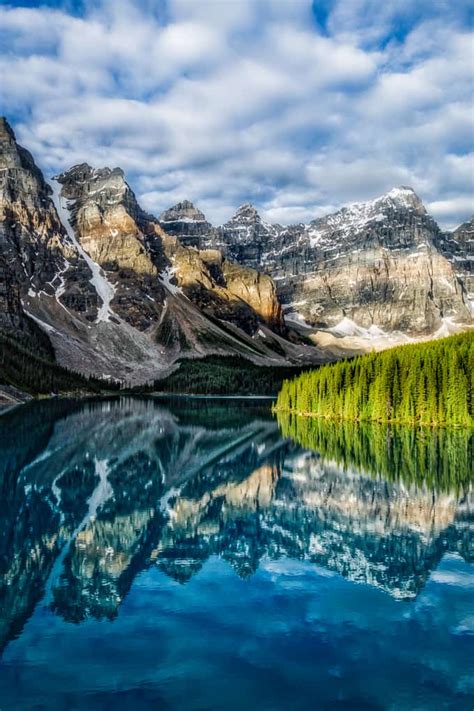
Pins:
x,y
357,263
465,231
42,274
183,211
405,197
83,181
397,206
461,240
15,157
5,129
186,222
99,280
96,193
246,213
112,229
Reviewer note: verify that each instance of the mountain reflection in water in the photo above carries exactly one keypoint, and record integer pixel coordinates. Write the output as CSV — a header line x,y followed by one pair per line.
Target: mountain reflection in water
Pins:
x,y
94,493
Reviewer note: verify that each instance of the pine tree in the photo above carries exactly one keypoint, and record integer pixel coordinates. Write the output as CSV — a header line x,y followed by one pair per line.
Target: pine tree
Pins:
x,y
425,384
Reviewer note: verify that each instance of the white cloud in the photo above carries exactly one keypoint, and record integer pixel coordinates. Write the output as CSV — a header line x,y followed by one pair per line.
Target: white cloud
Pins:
x,y
443,210
230,102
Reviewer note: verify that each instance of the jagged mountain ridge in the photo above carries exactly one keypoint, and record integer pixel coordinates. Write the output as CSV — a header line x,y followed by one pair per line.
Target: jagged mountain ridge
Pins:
x,y
87,271
187,222
34,258
112,291
383,264
142,261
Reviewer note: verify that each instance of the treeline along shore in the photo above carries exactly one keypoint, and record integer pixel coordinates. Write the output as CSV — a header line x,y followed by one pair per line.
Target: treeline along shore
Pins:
x,y
429,384
37,373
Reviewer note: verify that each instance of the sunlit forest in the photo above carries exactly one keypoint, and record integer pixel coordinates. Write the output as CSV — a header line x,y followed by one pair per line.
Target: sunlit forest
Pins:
x,y
423,384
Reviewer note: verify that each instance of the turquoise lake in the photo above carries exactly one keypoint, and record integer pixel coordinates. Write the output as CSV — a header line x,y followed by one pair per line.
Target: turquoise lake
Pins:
x,y
195,554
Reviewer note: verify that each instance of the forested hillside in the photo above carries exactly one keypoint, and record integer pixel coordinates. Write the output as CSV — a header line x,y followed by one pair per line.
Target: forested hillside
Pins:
x,y
36,374
225,375
424,383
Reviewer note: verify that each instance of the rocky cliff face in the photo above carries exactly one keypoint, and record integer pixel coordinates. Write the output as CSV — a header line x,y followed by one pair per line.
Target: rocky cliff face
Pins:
x,y
377,264
458,248
188,223
108,224
372,265
142,262
88,274
35,259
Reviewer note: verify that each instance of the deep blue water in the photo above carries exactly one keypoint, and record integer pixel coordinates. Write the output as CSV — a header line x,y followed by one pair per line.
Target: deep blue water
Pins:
x,y
184,555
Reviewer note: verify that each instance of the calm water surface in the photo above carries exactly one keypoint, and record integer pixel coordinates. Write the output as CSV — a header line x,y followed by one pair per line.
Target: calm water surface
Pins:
x,y
200,555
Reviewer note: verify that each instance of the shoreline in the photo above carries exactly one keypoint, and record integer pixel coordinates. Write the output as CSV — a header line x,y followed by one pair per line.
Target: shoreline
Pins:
x,y
197,396
9,402
358,421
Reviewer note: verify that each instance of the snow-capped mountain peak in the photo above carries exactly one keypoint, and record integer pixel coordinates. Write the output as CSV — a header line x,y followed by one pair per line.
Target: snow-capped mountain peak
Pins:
x,y
404,196
358,216
246,213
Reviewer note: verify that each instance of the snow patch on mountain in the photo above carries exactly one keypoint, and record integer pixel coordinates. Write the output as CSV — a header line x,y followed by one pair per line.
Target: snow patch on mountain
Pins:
x,y
293,317
61,288
447,328
105,290
347,327
42,324
165,278
356,217
402,194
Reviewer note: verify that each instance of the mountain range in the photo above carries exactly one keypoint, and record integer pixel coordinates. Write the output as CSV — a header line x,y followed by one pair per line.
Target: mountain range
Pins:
x,y
89,278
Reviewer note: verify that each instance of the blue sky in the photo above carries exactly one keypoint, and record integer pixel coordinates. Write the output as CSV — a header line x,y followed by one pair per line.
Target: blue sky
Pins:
x,y
297,106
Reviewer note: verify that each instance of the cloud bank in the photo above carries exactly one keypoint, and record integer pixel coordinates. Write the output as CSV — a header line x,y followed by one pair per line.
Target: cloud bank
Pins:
x,y
296,106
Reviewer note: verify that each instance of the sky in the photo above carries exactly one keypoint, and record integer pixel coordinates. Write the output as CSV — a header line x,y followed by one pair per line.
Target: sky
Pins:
x,y
298,107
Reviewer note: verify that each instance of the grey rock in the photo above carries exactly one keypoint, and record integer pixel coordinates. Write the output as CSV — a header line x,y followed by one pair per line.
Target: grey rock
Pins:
x,y
35,259
382,263
188,223
91,279
458,248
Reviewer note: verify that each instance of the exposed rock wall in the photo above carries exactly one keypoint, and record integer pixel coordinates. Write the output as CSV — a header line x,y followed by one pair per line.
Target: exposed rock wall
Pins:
x,y
140,258
458,248
378,264
112,291
35,259
88,276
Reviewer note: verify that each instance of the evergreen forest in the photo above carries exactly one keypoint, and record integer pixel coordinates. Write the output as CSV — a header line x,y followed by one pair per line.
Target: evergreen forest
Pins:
x,y
224,375
37,374
428,384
